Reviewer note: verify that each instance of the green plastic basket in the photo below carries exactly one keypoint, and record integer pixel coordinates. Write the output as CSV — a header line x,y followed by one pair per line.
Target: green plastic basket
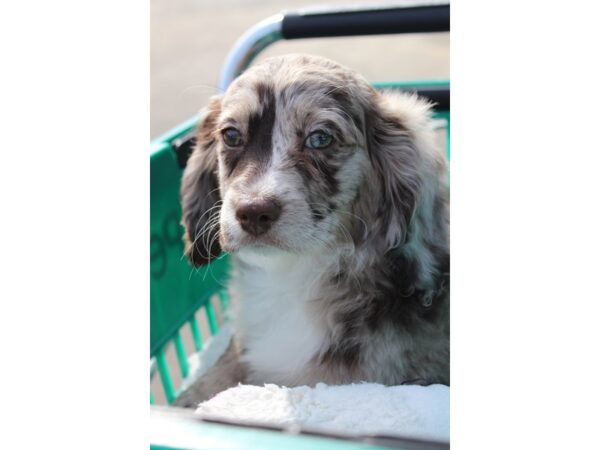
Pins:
x,y
179,293
189,302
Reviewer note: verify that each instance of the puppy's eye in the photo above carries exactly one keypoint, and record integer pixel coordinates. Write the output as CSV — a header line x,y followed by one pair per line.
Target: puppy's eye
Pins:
x,y
318,139
232,137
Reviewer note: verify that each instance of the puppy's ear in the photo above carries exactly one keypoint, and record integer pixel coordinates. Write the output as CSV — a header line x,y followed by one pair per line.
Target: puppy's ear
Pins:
x,y
200,196
397,162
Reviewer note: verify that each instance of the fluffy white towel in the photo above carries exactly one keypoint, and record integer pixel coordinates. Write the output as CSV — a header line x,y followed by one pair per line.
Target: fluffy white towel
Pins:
x,y
365,408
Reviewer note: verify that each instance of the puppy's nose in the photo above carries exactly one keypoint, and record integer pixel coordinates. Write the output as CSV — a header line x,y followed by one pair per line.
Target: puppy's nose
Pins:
x,y
256,217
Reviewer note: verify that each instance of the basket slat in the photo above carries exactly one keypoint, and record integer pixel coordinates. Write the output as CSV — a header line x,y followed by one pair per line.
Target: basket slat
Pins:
x,y
212,318
165,376
181,356
196,333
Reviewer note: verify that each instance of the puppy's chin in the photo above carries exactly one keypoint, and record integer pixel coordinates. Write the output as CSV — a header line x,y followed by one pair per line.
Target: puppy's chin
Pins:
x,y
270,244
261,245
266,256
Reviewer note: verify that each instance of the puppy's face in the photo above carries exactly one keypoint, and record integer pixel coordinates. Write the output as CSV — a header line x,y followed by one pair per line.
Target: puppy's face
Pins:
x,y
291,155
280,160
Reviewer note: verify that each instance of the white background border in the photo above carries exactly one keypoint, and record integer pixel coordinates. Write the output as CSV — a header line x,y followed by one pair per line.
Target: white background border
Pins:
x,y
74,92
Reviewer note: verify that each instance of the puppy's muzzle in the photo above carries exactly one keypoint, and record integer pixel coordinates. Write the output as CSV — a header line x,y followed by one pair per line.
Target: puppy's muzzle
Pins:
x,y
257,217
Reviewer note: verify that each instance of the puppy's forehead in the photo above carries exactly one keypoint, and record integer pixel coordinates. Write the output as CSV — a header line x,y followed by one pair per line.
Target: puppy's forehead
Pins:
x,y
252,95
244,92
295,81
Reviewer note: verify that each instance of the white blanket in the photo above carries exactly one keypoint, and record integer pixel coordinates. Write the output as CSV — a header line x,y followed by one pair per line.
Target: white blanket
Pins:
x,y
366,408
357,409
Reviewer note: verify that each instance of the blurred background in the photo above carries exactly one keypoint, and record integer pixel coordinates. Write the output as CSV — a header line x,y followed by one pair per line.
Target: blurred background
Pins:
x,y
191,38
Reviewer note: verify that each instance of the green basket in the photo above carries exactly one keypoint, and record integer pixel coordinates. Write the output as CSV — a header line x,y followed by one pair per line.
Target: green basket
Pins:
x,y
187,304
179,294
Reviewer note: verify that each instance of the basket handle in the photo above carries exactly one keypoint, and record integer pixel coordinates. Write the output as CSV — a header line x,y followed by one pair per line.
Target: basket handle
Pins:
x,y
358,21
365,21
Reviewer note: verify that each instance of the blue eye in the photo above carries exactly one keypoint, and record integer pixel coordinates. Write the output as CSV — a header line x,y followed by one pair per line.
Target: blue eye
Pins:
x,y
318,140
232,137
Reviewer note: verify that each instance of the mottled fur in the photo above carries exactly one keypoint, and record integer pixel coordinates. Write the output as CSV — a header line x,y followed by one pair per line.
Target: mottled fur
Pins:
x,y
351,282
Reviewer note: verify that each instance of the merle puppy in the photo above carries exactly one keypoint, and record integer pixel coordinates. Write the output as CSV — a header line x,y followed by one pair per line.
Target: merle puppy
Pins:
x,y
332,200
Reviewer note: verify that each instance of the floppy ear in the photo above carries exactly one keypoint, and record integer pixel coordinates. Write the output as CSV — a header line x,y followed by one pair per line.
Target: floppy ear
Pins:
x,y
396,161
200,197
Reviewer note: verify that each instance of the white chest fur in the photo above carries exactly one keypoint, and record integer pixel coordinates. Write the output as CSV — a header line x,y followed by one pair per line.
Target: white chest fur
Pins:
x,y
274,312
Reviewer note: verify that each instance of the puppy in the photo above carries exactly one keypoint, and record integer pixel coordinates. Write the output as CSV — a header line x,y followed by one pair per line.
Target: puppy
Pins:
x,y
331,199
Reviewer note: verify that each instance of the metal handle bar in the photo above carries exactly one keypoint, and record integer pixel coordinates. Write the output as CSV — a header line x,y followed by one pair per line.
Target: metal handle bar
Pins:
x,y
328,23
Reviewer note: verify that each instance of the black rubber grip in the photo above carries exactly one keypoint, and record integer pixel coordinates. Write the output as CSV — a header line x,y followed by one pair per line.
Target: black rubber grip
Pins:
x,y
367,21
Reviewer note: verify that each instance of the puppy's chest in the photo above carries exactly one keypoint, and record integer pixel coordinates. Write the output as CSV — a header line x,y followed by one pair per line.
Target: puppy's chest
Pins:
x,y
277,318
